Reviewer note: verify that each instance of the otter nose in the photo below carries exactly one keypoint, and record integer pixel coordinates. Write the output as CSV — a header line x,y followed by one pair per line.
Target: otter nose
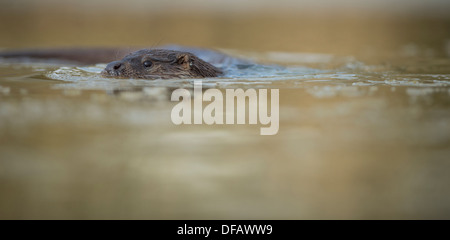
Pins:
x,y
114,66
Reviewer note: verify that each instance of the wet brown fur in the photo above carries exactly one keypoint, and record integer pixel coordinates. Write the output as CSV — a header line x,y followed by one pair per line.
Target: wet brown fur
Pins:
x,y
165,64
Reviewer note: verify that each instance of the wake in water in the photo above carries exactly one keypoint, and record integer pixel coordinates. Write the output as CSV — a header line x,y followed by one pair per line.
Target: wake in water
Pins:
x,y
280,70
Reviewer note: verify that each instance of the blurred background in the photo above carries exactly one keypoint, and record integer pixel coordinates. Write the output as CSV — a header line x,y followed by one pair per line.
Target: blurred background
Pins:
x,y
348,27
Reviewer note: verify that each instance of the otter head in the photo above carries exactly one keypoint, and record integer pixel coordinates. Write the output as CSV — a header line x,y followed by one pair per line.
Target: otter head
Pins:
x,y
160,64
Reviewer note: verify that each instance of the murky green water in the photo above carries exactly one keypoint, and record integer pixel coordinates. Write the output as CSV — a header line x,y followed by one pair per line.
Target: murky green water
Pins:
x,y
364,121
354,142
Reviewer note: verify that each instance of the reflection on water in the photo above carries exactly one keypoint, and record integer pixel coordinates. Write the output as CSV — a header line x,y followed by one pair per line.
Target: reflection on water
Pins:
x,y
364,124
352,143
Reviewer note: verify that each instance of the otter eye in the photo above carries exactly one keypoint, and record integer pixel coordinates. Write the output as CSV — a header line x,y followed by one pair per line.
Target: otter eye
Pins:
x,y
148,63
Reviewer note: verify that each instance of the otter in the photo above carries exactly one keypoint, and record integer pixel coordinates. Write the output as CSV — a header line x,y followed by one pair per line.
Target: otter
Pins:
x,y
160,64
154,63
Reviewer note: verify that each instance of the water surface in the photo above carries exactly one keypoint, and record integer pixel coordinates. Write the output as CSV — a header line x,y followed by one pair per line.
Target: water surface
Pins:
x,y
364,123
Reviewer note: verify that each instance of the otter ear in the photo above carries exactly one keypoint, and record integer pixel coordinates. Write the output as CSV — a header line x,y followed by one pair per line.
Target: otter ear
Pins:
x,y
185,60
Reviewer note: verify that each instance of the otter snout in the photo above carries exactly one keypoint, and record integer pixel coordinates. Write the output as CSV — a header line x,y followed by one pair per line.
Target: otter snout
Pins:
x,y
113,68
